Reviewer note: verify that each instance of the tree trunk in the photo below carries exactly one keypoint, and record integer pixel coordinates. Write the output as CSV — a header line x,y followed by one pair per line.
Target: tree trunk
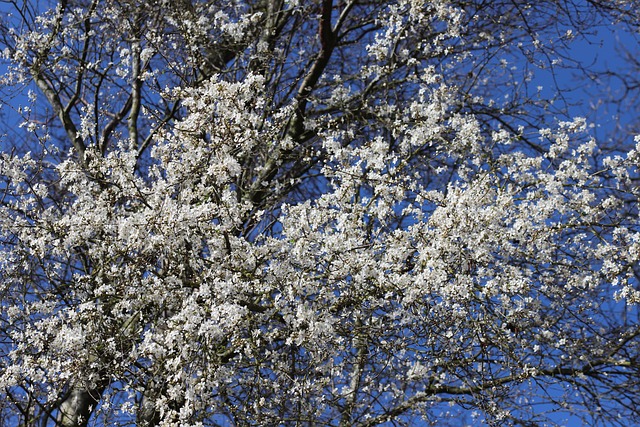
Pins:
x,y
76,408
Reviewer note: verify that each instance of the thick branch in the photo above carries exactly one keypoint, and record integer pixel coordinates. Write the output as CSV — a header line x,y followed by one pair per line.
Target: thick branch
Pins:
x,y
111,126
52,96
136,85
328,41
76,408
356,376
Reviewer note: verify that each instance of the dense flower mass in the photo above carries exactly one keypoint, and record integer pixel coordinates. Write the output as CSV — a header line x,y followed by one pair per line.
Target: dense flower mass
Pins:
x,y
337,213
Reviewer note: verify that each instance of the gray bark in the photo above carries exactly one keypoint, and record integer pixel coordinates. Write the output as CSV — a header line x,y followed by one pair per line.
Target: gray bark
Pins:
x,y
148,416
75,409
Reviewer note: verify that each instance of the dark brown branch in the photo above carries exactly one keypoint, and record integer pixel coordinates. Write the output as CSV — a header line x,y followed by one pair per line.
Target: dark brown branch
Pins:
x,y
328,41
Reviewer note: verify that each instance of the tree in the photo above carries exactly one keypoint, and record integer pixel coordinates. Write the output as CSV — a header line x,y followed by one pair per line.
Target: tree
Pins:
x,y
349,213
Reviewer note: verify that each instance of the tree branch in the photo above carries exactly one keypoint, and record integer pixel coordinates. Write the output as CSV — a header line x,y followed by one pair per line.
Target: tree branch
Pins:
x,y
328,41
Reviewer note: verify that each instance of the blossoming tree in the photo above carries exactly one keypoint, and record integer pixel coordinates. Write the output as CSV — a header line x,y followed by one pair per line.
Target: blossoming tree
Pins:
x,y
318,213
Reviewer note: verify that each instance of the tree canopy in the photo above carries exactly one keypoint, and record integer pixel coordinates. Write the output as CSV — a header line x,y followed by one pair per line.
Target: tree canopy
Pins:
x,y
316,213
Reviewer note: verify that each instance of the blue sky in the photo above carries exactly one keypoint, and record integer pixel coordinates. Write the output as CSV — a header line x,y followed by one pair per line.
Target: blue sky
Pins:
x,y
602,52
